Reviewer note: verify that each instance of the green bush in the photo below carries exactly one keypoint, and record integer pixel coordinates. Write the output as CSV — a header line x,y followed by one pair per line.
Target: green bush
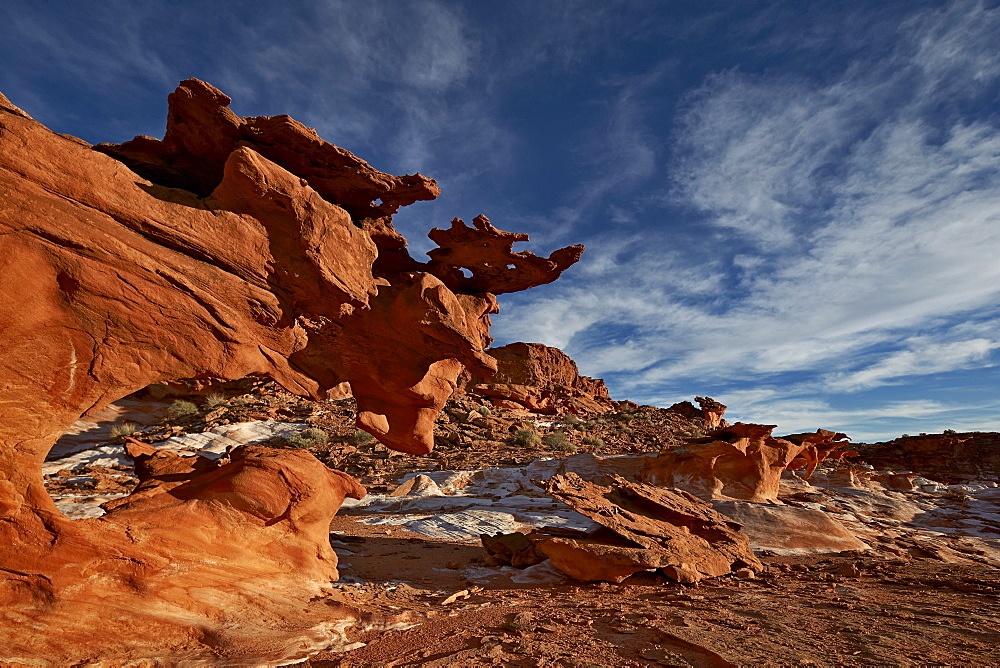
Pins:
x,y
307,438
359,438
484,411
594,441
949,432
557,441
123,429
528,438
215,400
181,408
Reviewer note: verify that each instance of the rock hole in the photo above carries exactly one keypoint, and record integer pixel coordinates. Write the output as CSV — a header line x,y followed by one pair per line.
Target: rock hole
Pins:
x,y
67,284
87,466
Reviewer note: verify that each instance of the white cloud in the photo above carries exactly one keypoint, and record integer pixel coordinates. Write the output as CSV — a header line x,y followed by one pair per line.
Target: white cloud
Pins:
x,y
920,359
872,210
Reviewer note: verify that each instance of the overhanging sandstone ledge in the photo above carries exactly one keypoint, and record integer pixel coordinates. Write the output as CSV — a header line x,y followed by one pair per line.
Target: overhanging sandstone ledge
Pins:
x,y
233,247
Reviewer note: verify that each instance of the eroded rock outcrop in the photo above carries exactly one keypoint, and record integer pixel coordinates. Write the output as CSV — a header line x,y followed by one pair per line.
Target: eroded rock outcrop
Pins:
x,y
643,528
541,379
950,457
233,247
740,462
709,411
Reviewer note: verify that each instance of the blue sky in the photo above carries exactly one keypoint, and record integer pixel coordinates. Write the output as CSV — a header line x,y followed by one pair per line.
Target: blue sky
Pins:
x,y
792,207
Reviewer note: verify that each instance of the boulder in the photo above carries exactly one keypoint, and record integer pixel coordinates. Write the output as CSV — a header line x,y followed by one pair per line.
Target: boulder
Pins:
x,y
643,528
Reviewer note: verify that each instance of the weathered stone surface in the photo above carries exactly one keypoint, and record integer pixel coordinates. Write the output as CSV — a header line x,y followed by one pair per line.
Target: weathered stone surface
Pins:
x,y
789,530
487,254
740,462
202,132
645,528
949,458
541,379
233,247
709,410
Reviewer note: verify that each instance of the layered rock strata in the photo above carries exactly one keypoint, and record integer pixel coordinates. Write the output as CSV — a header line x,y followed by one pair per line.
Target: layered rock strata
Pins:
x,y
740,462
951,457
233,247
642,528
541,379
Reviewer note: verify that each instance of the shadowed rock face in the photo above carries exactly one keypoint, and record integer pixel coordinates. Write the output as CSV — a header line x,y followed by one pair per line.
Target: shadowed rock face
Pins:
x,y
233,247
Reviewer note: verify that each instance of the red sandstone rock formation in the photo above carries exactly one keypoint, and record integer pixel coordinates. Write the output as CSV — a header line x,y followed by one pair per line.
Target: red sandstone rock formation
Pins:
x,y
710,411
233,247
740,462
950,458
644,528
541,379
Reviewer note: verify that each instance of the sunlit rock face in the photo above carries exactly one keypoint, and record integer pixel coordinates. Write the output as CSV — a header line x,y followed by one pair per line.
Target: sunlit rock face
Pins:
x,y
740,462
232,247
541,379
950,457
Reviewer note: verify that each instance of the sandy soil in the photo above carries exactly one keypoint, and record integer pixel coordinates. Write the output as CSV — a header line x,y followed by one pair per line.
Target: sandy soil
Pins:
x,y
886,607
825,610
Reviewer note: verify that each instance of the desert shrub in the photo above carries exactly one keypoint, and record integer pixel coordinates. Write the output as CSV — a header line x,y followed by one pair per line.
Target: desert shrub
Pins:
x,y
528,438
594,441
307,438
949,432
123,429
628,430
576,422
557,441
359,438
215,400
644,416
239,401
905,436
181,408
484,411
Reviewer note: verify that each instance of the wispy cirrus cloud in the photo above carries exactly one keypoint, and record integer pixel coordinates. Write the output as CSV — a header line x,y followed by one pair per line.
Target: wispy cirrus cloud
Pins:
x,y
919,358
849,225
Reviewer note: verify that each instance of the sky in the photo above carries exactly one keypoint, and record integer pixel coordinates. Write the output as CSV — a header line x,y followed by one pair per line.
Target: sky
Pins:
x,y
791,207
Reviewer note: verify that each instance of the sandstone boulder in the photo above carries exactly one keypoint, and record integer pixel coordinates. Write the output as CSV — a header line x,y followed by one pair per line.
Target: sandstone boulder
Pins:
x,y
644,528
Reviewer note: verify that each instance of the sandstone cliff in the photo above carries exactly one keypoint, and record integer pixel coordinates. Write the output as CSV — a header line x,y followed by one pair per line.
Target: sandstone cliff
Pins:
x,y
538,378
